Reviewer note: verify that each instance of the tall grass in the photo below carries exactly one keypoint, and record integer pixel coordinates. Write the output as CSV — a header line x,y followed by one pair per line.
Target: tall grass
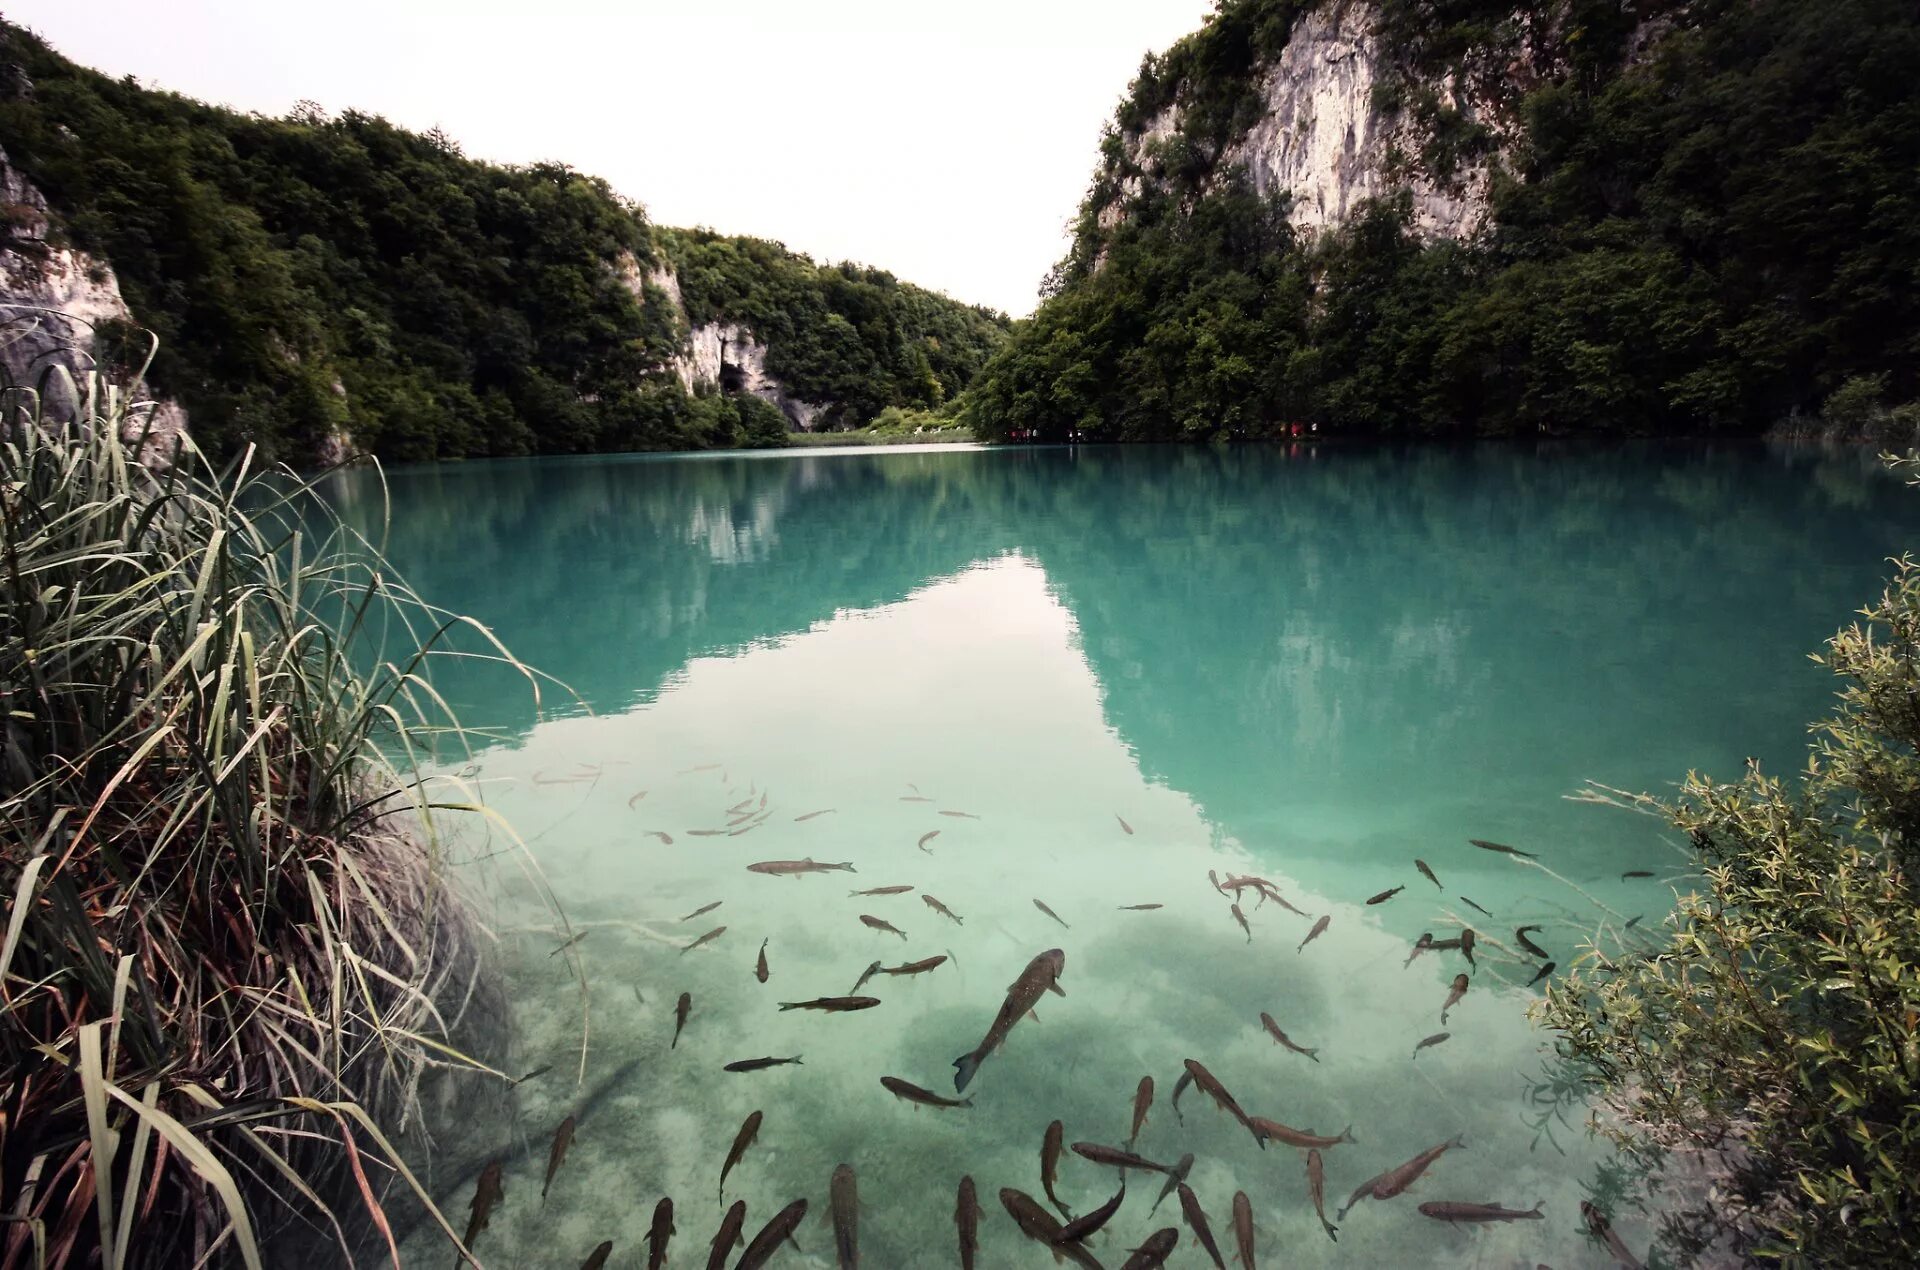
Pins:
x,y
232,958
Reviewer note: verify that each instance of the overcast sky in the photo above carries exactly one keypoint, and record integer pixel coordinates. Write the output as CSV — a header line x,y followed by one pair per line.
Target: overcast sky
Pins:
x,y
948,141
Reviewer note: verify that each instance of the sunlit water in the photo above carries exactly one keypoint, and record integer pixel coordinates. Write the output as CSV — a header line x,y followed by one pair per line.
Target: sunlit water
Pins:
x,y
1311,666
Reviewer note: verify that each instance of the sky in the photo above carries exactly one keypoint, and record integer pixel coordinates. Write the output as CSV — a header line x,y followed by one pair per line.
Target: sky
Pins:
x,y
947,142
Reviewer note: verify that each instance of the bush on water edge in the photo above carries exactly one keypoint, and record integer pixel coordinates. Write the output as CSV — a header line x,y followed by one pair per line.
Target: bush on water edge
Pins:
x,y
234,973
1775,1034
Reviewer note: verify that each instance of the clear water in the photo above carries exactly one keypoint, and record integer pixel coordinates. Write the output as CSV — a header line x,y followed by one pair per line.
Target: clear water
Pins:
x,y
1313,666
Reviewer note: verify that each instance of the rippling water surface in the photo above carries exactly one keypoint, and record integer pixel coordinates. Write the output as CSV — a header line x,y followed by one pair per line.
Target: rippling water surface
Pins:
x,y
1095,675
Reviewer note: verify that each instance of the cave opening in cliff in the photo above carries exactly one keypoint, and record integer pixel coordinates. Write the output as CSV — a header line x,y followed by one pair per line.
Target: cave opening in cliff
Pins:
x,y
732,378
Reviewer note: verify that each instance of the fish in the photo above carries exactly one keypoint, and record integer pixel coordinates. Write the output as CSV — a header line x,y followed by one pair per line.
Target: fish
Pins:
x,y
749,1130
709,937
704,767
740,806
1520,937
1502,848
1319,928
1397,1179
1050,913
1241,917
1154,1252
486,1194
1050,1164
681,1009
927,837
735,833
1317,1188
824,811
1266,1021
791,868
763,800
865,975
636,798
1603,1231
1636,873
915,798
1197,1222
1542,973
1454,1211
660,1233
541,1070
1265,1130
1635,921
725,1239
1428,874
1458,990
966,1221
598,1257
655,833
916,967
557,1153
1469,903
1123,823
1186,1078
875,923
1139,908
1175,1176
758,1064
1420,945
1142,1104
1435,1039
767,1242
760,965
843,1201
1041,976
1215,879
1087,1223
1384,896
704,908
833,1005
570,943
925,1097
1210,1086
942,909
1114,1157
958,815
704,833
881,890
1243,1228
1037,1223
1467,938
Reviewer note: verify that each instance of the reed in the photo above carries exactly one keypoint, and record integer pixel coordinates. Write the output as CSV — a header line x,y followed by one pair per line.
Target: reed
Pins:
x,y
232,955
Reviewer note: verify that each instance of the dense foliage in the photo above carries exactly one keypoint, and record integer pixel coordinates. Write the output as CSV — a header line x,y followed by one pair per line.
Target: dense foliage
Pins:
x,y
1777,1032
314,275
1706,218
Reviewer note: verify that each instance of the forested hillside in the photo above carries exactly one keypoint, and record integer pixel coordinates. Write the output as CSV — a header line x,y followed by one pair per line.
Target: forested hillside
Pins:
x,y
315,277
1698,216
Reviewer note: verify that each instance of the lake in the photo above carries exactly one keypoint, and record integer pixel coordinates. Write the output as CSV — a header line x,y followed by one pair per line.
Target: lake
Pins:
x,y
1087,678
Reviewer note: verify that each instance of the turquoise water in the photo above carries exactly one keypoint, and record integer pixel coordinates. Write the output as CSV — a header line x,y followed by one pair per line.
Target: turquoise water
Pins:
x,y
1310,665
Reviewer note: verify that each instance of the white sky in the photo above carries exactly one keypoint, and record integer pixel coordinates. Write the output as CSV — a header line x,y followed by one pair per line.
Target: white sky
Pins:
x,y
948,141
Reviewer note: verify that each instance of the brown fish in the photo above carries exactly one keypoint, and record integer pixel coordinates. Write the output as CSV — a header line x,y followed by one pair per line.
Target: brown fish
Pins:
x,y
843,1200
1041,976
793,868
660,1233
875,923
1597,1223
833,1005
704,833
1317,1189
927,837
1086,1224
758,1064
704,908
1213,1089
767,1242
1197,1222
1050,913
925,1097
1123,823
1215,879
1175,1176
660,834
1502,848
1265,1130
1038,1224
1140,908
1454,1211
1636,873
1319,928
1542,973
1454,994
1241,917
709,937
881,890
728,1236
1114,1157
486,1195
865,975
1153,1254
916,967
960,815
1179,1086
915,798
1467,938
1420,945
1475,907
1243,1228
1384,896
941,909
760,965
1395,1180
1428,874
1142,1104
749,1130
681,1009
597,1259
747,828
541,1070
636,798
1435,1039
824,811
1273,1028
557,1153
966,1220
1050,1144
704,767
1520,937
